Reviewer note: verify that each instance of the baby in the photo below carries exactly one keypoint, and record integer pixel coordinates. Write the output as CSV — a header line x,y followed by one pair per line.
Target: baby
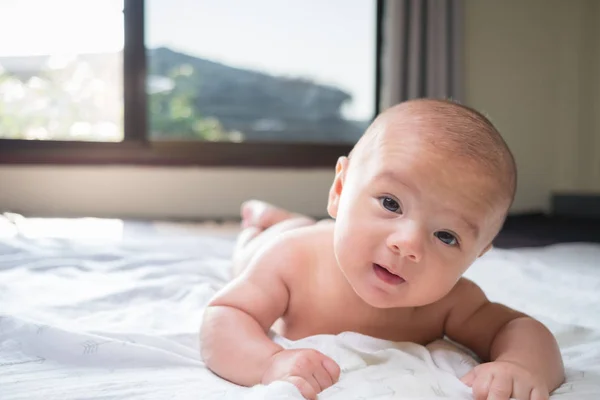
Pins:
x,y
420,197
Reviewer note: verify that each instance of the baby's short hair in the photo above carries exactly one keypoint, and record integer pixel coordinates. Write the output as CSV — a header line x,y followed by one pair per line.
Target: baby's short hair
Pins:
x,y
458,131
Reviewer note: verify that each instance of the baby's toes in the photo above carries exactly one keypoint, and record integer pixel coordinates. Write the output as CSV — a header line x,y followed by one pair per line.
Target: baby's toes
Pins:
x,y
251,211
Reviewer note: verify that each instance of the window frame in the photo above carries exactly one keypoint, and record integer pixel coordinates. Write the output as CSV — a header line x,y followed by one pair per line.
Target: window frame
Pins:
x,y
137,149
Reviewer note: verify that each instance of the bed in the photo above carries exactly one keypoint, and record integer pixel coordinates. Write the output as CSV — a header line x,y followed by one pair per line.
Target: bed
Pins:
x,y
107,309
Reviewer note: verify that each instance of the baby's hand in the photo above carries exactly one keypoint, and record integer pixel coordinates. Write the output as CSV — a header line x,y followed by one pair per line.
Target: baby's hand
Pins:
x,y
501,380
309,370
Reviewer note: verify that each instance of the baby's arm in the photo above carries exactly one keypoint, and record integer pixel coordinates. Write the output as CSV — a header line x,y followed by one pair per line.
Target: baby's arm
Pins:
x,y
234,341
521,348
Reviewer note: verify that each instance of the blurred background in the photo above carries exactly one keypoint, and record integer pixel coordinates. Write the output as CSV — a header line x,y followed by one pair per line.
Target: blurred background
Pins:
x,y
182,109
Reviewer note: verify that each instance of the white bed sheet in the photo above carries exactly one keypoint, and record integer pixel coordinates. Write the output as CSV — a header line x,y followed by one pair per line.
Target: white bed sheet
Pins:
x,y
102,318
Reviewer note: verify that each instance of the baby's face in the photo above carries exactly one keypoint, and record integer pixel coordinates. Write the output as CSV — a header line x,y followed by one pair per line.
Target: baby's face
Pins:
x,y
409,222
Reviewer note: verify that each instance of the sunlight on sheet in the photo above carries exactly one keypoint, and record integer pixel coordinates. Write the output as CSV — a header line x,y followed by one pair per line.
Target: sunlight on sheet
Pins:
x,y
61,228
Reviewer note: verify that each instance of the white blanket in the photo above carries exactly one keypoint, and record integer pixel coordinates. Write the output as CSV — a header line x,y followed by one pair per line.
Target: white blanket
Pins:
x,y
104,318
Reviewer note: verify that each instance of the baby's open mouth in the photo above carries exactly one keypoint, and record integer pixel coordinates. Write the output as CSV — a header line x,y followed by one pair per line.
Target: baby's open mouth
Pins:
x,y
385,275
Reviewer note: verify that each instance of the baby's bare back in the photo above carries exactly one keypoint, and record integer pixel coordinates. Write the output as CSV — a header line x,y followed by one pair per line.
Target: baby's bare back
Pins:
x,y
321,301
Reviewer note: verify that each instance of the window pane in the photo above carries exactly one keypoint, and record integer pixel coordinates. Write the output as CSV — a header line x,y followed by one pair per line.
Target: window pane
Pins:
x,y
261,70
61,69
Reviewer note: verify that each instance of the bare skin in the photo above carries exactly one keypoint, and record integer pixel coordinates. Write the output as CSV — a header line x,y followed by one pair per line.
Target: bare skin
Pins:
x,y
317,281
408,223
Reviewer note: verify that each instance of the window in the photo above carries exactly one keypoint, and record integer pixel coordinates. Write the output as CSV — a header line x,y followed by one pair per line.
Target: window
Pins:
x,y
61,70
265,70
204,82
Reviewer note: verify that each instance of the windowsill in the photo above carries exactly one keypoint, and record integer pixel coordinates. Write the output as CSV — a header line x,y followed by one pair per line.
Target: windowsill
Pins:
x,y
216,154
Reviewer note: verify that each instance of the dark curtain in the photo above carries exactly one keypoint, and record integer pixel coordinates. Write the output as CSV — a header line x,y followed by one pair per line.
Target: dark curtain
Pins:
x,y
422,50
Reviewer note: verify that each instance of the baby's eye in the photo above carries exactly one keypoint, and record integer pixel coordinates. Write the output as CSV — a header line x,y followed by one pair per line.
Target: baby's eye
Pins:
x,y
390,204
447,238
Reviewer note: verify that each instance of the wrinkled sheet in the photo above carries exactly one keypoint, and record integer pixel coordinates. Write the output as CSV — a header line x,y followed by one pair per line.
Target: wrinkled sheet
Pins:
x,y
101,317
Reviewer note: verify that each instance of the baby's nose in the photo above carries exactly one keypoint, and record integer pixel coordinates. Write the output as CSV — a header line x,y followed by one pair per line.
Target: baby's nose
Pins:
x,y
407,243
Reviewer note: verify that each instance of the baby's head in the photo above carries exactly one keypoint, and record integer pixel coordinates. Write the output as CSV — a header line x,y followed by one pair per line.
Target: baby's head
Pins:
x,y
420,197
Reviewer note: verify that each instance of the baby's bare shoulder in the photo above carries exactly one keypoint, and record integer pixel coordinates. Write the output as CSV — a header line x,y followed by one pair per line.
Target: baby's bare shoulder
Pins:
x,y
300,249
466,290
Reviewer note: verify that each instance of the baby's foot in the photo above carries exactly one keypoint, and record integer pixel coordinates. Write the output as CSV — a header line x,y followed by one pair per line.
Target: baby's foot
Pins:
x,y
261,215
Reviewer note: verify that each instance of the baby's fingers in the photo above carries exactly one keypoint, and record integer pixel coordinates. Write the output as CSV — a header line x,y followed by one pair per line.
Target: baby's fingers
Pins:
x,y
539,394
306,389
322,377
521,390
468,378
481,385
501,387
332,368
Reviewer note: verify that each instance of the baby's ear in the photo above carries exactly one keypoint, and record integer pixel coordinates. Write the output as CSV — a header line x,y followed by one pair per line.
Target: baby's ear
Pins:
x,y
488,247
336,187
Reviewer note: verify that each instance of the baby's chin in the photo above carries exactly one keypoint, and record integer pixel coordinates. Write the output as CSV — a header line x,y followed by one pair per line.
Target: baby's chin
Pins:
x,y
378,298
383,304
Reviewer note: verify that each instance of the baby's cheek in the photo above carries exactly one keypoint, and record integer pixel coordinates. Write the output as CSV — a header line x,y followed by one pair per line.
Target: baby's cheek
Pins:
x,y
345,252
350,242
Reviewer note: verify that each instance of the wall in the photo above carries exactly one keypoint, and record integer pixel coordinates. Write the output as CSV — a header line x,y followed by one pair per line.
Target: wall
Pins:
x,y
595,16
157,192
529,64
